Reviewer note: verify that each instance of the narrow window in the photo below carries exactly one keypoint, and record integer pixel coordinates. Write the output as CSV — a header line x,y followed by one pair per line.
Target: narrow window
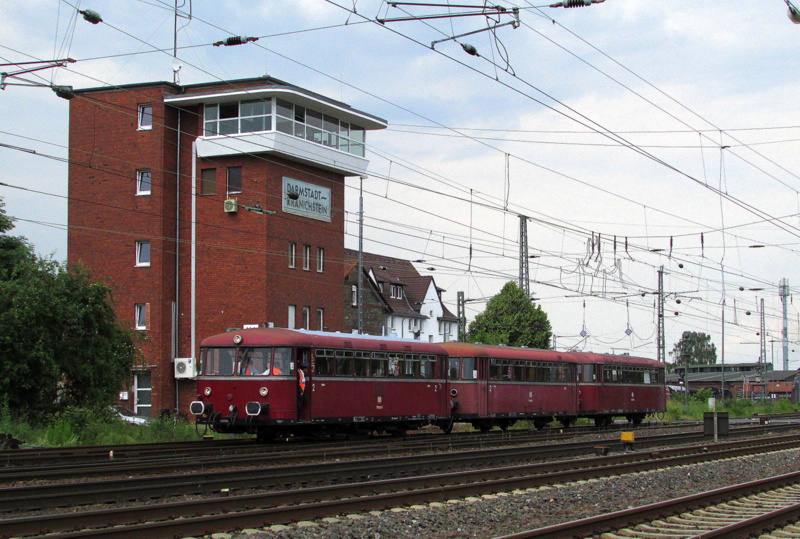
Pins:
x,y
208,181
354,292
306,317
146,116
292,254
320,319
292,315
141,316
320,259
143,182
143,405
234,180
306,257
142,253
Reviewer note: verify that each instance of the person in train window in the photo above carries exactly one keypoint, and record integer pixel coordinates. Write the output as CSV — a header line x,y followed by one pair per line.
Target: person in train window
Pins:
x,y
282,364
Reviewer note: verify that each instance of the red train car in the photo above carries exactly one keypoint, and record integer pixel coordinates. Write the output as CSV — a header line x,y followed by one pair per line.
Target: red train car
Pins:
x,y
543,385
251,381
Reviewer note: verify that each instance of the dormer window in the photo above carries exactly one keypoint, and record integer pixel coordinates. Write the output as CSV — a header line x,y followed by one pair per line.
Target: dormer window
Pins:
x,y
396,291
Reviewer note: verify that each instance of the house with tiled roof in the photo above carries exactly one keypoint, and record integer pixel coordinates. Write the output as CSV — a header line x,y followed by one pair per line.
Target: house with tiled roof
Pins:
x,y
408,304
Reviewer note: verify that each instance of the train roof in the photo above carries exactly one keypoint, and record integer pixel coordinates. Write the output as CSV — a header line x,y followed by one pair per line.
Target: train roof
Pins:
x,y
320,339
511,352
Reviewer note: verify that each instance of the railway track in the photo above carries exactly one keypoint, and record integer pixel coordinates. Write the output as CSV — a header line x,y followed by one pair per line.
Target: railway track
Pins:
x,y
744,510
227,509
127,482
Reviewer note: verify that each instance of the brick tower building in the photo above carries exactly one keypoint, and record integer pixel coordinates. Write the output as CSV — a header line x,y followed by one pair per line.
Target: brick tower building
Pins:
x,y
208,207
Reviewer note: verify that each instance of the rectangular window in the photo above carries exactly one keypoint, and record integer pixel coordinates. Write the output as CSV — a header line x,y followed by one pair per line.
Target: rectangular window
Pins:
x,y
145,116
292,316
306,257
306,317
233,117
143,182
320,319
142,253
354,292
292,254
143,405
234,180
320,259
141,315
208,181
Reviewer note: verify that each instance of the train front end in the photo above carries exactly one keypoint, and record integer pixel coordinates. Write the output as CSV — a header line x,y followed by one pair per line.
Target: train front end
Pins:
x,y
246,383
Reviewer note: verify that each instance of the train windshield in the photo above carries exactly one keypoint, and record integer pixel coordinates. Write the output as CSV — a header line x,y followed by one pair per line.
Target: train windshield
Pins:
x,y
218,361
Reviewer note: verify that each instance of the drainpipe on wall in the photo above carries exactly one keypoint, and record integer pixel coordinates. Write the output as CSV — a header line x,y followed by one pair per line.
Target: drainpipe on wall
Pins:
x,y
175,304
193,284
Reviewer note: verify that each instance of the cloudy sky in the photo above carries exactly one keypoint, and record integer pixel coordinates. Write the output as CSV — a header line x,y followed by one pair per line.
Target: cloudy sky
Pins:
x,y
631,136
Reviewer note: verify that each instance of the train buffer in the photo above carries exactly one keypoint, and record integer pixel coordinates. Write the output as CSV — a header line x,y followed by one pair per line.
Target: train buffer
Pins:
x,y
627,440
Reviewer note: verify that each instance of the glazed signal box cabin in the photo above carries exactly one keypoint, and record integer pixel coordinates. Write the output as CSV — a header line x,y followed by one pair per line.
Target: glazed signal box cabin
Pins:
x,y
208,207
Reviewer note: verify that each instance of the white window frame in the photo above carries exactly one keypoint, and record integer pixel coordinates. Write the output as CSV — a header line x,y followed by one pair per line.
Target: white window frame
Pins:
x,y
320,319
306,317
306,257
140,314
320,259
145,116
140,252
140,175
354,292
292,254
237,190
292,316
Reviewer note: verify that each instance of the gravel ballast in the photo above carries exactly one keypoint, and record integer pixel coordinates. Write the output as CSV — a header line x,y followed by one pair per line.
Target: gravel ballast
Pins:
x,y
511,512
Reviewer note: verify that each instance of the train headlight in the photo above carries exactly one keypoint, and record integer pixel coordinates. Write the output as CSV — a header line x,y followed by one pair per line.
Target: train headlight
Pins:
x,y
263,391
207,391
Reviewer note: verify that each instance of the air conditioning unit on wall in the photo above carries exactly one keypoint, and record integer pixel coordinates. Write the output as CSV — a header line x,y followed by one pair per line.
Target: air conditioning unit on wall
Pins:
x,y
184,367
231,205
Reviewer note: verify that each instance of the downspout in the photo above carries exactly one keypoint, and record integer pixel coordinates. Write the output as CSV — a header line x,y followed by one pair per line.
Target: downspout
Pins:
x,y
175,304
193,285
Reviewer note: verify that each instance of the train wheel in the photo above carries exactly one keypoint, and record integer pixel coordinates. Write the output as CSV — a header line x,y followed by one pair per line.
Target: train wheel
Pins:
x,y
566,421
539,424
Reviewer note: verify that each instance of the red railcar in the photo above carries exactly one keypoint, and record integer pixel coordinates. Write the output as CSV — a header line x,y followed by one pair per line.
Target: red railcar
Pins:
x,y
249,382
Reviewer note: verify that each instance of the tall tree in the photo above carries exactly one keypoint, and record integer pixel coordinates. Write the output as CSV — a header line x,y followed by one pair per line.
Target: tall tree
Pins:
x,y
513,319
59,338
694,348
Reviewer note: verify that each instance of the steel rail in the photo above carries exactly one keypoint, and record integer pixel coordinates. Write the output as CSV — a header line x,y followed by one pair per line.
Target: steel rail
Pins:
x,y
339,498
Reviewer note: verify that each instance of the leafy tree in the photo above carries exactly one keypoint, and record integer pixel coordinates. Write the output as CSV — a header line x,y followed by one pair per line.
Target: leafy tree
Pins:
x,y
511,318
60,343
693,349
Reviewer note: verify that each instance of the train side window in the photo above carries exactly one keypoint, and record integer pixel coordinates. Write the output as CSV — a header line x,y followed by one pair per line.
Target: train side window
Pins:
x,y
412,366
469,369
426,366
519,371
495,369
323,362
453,368
344,362
378,366
396,367
588,373
362,363
283,364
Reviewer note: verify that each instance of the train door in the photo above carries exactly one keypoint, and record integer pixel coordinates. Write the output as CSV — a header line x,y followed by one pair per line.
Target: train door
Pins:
x,y
483,385
305,384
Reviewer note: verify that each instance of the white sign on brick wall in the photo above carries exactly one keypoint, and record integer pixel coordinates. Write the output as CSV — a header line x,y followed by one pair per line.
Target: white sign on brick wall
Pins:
x,y
306,199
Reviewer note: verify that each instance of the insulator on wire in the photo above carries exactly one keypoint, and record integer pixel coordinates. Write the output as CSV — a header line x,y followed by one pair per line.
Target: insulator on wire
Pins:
x,y
235,40
576,3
